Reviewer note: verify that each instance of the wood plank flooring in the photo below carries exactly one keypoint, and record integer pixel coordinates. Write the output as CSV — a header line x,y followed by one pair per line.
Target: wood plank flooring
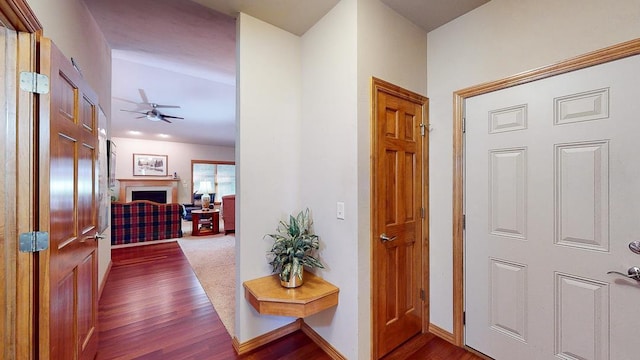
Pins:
x,y
153,307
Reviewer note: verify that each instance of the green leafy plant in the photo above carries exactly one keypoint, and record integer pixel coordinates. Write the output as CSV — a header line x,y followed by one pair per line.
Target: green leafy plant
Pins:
x,y
293,246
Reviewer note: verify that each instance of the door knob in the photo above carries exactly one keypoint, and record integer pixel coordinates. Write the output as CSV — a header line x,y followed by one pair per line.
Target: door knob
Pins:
x,y
384,238
632,273
95,237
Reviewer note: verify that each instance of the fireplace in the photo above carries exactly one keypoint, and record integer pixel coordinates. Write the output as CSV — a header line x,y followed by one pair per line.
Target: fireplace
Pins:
x,y
147,188
159,196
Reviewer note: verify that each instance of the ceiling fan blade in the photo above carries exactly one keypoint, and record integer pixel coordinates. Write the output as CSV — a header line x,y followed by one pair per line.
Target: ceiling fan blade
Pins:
x,y
172,117
163,119
126,100
143,95
167,106
141,117
137,112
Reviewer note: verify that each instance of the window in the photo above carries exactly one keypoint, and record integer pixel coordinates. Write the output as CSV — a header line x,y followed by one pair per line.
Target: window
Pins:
x,y
220,174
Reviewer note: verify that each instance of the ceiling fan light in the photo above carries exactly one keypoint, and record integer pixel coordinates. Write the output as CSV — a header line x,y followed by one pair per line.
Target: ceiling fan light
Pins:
x,y
153,117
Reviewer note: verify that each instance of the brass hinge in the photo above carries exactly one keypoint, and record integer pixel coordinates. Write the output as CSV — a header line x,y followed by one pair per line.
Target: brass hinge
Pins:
x,y
464,318
464,222
34,241
34,82
422,127
464,125
422,295
422,212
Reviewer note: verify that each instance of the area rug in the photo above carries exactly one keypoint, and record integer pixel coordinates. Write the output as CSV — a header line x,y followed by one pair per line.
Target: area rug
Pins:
x,y
213,260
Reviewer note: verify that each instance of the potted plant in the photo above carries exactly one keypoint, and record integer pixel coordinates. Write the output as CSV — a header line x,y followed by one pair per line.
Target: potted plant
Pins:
x,y
292,249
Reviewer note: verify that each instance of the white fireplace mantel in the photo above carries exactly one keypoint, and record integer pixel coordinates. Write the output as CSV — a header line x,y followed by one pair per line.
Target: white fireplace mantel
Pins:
x,y
128,185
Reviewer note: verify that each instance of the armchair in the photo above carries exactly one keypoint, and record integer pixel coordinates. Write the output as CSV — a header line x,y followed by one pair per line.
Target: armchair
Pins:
x,y
229,213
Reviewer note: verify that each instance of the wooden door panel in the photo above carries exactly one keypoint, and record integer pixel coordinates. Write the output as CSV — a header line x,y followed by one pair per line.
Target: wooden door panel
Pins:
x,y
398,198
62,311
86,189
87,305
69,267
388,178
63,229
87,116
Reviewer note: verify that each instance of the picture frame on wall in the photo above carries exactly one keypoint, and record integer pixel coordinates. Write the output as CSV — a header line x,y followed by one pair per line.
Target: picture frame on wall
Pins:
x,y
111,163
150,165
104,200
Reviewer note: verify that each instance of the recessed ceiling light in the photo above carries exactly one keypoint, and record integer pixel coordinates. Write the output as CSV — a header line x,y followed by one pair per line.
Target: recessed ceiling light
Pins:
x,y
163,135
133,132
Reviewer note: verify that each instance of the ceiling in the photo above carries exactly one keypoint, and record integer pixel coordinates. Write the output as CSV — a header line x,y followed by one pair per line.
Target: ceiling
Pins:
x,y
179,52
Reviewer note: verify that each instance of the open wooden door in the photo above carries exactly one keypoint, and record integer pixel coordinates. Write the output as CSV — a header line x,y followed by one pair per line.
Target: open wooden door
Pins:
x,y
68,206
398,217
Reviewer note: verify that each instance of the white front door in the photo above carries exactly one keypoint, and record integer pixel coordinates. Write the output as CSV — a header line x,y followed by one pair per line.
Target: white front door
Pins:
x,y
552,201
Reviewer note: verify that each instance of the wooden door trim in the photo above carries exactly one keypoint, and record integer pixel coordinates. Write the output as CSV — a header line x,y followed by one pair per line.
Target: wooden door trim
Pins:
x,y
384,86
17,15
19,211
612,53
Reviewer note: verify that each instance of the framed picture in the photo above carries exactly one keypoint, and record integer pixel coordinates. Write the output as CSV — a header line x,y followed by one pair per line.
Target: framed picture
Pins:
x,y
149,165
104,200
111,163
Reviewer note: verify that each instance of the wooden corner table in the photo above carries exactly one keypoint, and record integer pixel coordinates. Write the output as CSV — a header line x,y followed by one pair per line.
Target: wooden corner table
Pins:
x,y
268,297
205,222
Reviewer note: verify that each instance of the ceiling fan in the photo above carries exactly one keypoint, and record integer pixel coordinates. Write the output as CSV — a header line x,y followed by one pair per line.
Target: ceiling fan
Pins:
x,y
153,114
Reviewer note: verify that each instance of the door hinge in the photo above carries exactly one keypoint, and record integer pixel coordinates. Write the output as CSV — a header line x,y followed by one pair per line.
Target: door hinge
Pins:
x,y
422,127
464,222
34,82
464,318
34,241
422,212
464,125
422,295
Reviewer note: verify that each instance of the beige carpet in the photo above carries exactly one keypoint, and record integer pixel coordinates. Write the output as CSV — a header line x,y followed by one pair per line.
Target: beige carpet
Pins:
x,y
213,260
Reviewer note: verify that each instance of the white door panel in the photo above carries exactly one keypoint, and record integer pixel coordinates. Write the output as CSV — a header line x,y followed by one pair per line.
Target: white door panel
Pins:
x,y
552,200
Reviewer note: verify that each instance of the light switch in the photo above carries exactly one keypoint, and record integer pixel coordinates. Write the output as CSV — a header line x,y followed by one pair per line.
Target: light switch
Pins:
x,y
340,210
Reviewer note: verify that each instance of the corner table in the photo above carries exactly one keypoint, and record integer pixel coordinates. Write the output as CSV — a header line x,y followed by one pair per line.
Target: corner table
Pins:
x,y
205,222
268,297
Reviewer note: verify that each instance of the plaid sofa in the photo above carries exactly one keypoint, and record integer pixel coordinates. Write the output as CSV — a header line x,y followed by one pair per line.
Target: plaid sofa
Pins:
x,y
143,220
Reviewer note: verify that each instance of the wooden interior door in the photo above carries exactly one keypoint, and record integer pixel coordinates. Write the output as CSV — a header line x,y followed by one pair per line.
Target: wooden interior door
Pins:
x,y
552,204
397,214
68,208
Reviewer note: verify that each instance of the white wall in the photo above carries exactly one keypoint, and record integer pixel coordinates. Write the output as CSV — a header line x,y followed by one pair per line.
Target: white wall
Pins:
x,y
497,40
72,28
179,156
291,158
267,154
328,169
74,31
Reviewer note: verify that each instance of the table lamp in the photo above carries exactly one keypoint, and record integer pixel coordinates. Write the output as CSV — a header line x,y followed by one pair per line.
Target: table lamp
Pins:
x,y
205,189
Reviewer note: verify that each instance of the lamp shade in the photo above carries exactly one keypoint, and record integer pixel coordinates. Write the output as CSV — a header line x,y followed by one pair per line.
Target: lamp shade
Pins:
x,y
205,187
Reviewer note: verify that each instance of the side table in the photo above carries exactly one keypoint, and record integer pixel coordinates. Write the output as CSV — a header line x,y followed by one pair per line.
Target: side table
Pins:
x,y
205,222
268,297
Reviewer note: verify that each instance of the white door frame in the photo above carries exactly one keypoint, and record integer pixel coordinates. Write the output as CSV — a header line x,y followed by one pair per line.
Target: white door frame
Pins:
x,y
616,52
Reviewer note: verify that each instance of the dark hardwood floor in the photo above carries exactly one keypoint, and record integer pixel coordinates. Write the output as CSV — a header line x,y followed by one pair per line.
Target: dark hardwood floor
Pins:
x,y
153,307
